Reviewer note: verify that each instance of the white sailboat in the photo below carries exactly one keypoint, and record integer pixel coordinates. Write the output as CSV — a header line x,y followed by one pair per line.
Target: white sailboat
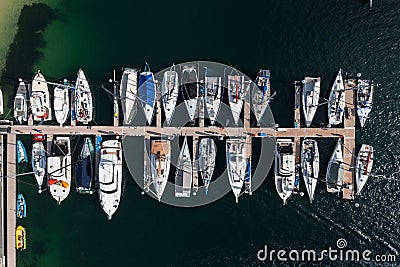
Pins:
x,y
310,165
310,97
335,171
364,162
128,92
40,98
59,169
83,99
261,96
61,103
190,89
236,93
147,93
160,157
207,155
39,163
110,176
236,161
183,174
336,101
212,97
284,168
21,103
365,91
169,91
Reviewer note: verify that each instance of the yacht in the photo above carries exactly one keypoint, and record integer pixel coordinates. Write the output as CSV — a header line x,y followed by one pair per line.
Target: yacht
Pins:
x,y
110,176
284,168
183,175
40,98
207,156
59,169
128,92
21,103
212,97
83,99
335,171
147,93
363,169
236,92
310,97
84,171
310,165
261,95
61,102
160,158
365,90
236,161
336,101
190,89
39,163
169,91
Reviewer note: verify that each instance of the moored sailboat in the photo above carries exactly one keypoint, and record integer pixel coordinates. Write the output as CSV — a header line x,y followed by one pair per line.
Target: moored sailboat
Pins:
x,y
59,169
364,162
128,92
207,155
212,97
183,175
236,93
284,168
39,163
365,91
310,97
83,100
160,158
190,90
84,171
336,101
21,103
169,91
335,171
110,176
310,165
147,93
236,162
61,102
40,98
261,95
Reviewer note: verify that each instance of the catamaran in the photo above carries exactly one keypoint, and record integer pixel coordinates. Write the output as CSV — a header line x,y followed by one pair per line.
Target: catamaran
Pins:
x,y
236,92
147,92
310,97
128,92
364,162
84,168
83,99
40,98
336,101
59,169
39,163
261,96
310,165
61,102
160,161
183,175
110,176
284,168
21,152
236,162
365,90
207,155
169,91
21,104
335,171
212,97
190,89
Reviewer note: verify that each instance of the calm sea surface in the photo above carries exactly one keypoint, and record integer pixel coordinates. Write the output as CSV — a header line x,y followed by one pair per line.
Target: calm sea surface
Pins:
x,y
292,38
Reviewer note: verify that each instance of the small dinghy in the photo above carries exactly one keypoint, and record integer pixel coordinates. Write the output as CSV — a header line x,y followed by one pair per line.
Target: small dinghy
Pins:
x,y
21,152
20,238
21,207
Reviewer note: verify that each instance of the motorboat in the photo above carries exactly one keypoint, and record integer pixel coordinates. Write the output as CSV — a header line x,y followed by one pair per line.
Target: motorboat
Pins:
x,y
310,98
284,168
20,238
21,103
61,102
40,98
21,152
21,207
236,161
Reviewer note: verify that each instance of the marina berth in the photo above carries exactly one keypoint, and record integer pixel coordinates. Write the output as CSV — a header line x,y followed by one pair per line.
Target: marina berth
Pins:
x,y
147,93
128,92
83,101
169,91
310,98
40,98
284,168
21,103
110,176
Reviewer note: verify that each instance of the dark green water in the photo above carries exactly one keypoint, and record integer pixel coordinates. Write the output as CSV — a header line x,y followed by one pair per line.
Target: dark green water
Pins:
x,y
293,39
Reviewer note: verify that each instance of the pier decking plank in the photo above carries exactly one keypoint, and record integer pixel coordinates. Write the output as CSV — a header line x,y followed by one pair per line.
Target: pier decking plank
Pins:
x,y
11,183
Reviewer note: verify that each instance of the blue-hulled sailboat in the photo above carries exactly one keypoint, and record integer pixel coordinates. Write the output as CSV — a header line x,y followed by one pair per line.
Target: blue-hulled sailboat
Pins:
x,y
147,92
21,207
21,152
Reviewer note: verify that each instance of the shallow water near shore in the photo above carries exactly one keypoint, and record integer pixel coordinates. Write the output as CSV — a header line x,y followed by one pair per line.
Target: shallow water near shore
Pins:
x,y
292,38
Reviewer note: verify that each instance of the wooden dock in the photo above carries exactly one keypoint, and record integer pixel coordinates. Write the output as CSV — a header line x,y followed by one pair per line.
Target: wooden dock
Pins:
x,y
11,200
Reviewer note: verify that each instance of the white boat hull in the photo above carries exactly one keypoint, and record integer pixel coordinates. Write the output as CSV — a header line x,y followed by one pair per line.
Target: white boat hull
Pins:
x,y
310,165
364,162
365,90
236,93
284,169
40,99
310,98
183,175
236,161
160,166
128,92
212,97
336,101
169,90
61,104
83,99
207,154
